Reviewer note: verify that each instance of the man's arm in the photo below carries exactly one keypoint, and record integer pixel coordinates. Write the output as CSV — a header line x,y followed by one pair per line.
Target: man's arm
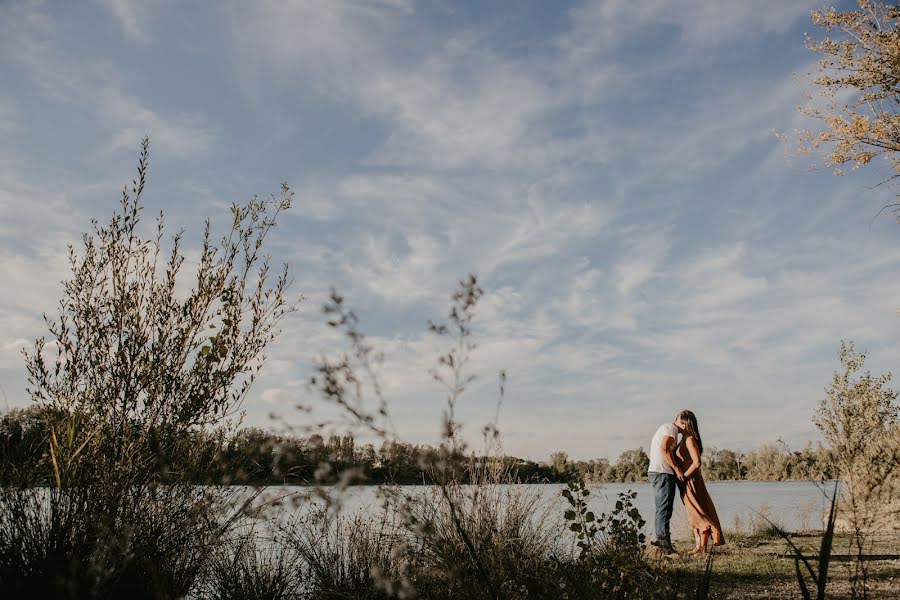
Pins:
x,y
668,448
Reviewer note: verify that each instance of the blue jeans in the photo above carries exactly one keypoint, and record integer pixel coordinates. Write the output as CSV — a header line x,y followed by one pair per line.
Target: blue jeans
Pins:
x,y
664,497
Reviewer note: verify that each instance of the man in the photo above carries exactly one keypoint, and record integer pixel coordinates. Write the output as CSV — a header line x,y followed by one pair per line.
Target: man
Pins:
x,y
662,474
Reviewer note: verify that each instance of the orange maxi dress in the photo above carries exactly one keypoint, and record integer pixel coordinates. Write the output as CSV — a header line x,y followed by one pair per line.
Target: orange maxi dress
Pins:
x,y
700,508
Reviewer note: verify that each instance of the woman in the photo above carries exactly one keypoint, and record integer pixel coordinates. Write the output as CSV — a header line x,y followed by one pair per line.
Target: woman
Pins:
x,y
699,506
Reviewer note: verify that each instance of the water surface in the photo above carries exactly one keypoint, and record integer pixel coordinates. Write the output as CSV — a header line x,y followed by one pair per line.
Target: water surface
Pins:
x,y
741,505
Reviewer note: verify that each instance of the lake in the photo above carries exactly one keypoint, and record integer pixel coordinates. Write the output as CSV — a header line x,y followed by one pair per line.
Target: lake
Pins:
x,y
741,505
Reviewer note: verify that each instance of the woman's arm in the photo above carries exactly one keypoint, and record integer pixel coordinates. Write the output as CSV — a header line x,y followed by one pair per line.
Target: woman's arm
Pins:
x,y
695,457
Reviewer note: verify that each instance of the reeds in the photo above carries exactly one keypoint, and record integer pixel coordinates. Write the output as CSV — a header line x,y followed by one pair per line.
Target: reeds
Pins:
x,y
343,557
252,568
89,543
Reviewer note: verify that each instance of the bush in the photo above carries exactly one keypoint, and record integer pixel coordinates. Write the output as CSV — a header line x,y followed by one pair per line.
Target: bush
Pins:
x,y
610,550
136,371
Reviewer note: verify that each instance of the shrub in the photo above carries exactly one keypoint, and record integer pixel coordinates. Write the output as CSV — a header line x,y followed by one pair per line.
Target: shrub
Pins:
x,y
610,550
134,371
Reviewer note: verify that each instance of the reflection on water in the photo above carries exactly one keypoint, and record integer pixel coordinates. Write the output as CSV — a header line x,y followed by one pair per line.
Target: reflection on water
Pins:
x,y
742,505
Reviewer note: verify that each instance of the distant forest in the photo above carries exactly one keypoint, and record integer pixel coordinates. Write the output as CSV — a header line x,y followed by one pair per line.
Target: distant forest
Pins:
x,y
254,456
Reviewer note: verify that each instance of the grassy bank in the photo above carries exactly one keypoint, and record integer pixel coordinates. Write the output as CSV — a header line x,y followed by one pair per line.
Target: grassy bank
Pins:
x,y
761,567
484,541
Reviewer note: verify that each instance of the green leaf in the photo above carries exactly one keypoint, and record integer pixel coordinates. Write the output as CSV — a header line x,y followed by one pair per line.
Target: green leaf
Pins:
x,y
570,514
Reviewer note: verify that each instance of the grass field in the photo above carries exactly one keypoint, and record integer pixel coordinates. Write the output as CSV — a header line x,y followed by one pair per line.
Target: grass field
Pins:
x,y
762,567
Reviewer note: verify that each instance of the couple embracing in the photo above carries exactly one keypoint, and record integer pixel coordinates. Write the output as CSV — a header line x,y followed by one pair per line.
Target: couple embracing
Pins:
x,y
675,463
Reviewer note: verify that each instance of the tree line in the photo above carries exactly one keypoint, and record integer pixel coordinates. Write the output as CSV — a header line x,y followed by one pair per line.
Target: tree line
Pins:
x,y
255,456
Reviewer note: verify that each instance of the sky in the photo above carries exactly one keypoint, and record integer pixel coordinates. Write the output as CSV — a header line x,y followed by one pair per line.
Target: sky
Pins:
x,y
610,171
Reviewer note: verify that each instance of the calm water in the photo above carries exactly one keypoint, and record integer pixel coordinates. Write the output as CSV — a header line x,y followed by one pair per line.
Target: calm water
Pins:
x,y
741,505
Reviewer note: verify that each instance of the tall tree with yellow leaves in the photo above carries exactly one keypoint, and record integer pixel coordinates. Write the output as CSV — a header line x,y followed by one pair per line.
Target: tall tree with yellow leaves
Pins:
x,y
859,82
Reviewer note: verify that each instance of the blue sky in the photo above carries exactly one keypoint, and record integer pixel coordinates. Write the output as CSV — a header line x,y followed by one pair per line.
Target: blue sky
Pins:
x,y
610,170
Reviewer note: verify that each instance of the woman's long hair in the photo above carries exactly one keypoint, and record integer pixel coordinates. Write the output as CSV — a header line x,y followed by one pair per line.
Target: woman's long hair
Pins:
x,y
692,428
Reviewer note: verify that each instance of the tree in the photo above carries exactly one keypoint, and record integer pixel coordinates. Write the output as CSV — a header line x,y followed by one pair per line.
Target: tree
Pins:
x,y
721,464
593,471
859,419
863,62
132,363
813,462
559,461
137,369
631,466
23,446
768,462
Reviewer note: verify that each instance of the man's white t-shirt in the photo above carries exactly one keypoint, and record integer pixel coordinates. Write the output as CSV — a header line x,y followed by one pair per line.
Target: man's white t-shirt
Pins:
x,y
658,462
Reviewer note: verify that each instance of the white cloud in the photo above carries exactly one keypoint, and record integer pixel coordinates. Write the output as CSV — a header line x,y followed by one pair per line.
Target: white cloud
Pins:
x,y
31,37
646,251
601,26
463,107
132,16
27,296
453,103
173,136
403,278
8,114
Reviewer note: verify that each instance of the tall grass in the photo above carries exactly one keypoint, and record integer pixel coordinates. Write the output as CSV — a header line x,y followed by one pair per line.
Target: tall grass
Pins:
x,y
251,567
343,556
95,543
485,540
480,539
